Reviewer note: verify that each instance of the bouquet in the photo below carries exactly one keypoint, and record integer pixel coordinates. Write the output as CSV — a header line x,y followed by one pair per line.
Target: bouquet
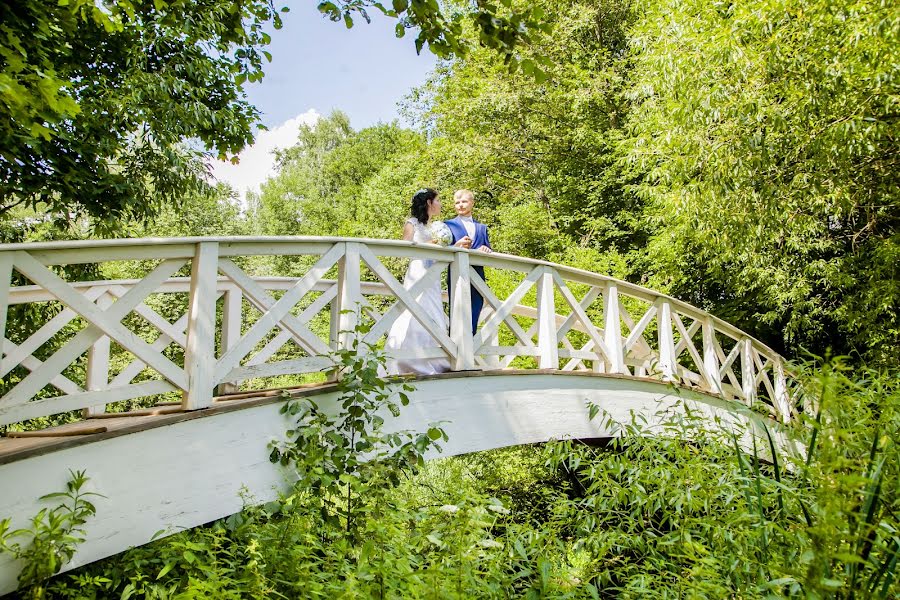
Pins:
x,y
440,233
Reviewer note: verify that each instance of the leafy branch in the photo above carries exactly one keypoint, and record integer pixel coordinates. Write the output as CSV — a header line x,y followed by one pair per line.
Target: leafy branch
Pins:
x,y
53,536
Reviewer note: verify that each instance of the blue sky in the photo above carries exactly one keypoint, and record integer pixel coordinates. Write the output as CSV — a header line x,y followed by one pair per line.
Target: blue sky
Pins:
x,y
318,66
321,65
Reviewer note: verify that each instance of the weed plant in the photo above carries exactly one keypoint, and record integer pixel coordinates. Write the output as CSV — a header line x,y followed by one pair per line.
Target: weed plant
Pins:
x,y
693,511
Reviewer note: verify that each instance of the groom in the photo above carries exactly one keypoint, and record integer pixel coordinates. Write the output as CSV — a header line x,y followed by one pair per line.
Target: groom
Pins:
x,y
469,233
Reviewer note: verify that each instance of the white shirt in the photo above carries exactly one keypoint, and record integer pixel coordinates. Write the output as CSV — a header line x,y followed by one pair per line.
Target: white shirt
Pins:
x,y
469,224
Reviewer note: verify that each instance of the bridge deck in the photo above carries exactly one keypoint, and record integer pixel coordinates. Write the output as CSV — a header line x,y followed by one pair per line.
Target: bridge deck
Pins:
x,y
118,424
114,425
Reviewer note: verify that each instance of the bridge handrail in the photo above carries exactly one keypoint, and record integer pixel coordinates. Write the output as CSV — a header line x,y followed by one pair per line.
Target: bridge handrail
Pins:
x,y
608,348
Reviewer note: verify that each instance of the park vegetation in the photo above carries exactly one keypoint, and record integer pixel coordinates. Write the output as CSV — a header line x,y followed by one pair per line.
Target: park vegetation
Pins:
x,y
741,156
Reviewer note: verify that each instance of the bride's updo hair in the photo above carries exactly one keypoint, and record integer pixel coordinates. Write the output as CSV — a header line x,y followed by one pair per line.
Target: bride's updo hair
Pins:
x,y
420,202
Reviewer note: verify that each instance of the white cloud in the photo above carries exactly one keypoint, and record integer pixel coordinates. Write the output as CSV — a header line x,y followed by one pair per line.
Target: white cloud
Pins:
x,y
257,162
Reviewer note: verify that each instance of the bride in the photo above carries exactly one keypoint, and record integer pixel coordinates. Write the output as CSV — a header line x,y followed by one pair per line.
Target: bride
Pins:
x,y
407,333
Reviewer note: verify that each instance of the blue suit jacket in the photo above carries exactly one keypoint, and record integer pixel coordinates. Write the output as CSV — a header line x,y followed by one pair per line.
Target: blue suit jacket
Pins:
x,y
481,239
459,231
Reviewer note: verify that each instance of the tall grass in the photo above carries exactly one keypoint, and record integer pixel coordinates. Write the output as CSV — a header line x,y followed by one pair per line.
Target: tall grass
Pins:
x,y
693,511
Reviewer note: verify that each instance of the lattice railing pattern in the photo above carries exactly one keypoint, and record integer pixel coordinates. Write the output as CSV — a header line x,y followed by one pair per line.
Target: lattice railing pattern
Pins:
x,y
223,326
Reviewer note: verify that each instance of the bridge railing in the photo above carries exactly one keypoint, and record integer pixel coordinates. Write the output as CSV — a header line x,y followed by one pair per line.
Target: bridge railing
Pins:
x,y
226,323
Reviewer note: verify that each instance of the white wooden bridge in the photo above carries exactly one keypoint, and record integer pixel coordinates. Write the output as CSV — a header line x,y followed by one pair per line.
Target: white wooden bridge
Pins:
x,y
187,348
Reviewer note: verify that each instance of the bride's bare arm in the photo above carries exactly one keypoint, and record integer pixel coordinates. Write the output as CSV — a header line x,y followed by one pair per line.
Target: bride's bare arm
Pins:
x,y
408,232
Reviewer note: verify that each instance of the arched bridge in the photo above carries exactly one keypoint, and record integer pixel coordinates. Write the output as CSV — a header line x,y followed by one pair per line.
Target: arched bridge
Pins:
x,y
165,358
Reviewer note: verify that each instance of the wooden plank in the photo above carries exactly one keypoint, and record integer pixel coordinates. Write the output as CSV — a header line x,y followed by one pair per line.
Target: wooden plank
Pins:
x,y
382,326
97,376
60,382
160,409
571,321
417,353
725,369
580,354
461,313
493,303
634,336
666,341
782,400
488,361
200,352
6,265
99,253
60,404
276,311
548,345
748,387
503,310
53,434
260,299
436,331
711,374
284,336
612,330
686,341
108,323
349,296
179,336
592,332
277,247
45,332
307,364
510,351
412,250
134,368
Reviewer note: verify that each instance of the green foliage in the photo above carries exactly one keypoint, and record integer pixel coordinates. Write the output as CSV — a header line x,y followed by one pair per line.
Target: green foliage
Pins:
x,y
344,459
342,182
540,154
690,511
764,134
503,26
98,98
53,536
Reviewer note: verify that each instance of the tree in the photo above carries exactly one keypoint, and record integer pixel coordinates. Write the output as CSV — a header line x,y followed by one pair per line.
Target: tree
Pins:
x,y
503,27
337,181
540,151
768,132
99,98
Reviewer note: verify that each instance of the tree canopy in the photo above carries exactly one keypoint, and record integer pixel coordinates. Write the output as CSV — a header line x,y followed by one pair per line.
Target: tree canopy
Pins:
x,y
108,108
99,98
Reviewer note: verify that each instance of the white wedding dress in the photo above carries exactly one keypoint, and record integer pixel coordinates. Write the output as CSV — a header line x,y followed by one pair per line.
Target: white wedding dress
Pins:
x,y
407,333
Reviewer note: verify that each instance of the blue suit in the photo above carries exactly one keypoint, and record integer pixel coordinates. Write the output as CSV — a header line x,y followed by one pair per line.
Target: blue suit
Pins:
x,y
479,239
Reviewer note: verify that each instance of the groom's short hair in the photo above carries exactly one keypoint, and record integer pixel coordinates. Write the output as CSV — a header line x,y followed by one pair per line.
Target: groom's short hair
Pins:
x,y
463,193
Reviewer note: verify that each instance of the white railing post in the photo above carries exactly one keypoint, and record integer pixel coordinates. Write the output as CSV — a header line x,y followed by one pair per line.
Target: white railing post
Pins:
x,y
748,375
612,329
6,263
97,377
782,401
348,296
461,313
232,320
666,341
200,353
548,345
710,359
